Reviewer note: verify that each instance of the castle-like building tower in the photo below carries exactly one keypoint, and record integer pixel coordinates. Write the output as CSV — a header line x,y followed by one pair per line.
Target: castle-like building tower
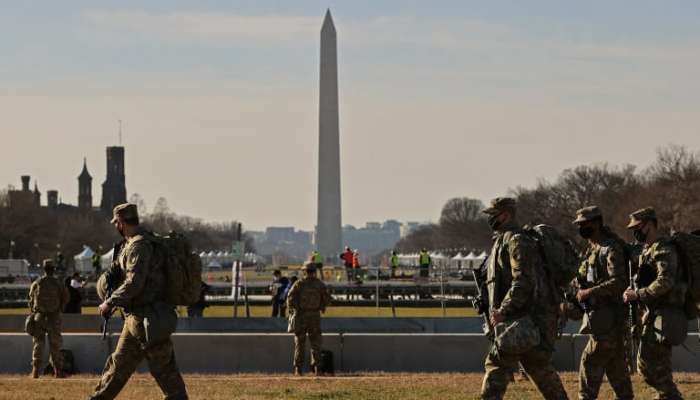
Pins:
x,y
114,187
85,189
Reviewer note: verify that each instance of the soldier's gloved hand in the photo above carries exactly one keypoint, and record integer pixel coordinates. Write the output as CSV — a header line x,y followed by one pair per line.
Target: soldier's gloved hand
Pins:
x,y
104,309
496,317
583,295
629,295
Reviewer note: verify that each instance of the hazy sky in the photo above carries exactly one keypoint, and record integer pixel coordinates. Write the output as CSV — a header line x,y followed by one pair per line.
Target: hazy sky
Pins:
x,y
437,99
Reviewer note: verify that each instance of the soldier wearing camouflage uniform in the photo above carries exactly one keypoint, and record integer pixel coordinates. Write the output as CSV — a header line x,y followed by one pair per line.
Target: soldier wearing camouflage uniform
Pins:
x,y
517,287
660,287
604,271
47,297
306,300
143,287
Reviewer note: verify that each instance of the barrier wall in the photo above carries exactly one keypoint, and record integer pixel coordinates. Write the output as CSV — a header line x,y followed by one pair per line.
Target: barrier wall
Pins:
x,y
272,352
93,324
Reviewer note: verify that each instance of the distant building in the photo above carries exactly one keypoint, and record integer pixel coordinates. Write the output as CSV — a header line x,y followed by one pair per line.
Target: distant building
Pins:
x,y
284,243
375,237
113,189
409,227
85,189
25,199
114,186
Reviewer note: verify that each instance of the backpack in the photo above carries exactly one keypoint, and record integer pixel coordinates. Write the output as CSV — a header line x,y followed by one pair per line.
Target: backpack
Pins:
x,y
688,246
69,366
46,301
558,255
327,366
182,267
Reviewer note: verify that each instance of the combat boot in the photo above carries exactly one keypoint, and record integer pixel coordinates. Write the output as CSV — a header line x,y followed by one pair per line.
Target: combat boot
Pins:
x,y
60,374
35,373
297,371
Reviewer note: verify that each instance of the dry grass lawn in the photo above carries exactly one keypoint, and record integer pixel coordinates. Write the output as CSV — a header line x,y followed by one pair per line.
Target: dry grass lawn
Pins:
x,y
349,387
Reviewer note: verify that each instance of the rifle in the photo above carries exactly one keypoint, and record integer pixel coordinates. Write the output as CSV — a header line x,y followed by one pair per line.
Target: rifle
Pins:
x,y
114,278
481,302
570,296
633,331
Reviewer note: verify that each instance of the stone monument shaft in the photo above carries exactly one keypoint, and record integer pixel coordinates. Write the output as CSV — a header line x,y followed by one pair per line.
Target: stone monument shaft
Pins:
x,y
328,227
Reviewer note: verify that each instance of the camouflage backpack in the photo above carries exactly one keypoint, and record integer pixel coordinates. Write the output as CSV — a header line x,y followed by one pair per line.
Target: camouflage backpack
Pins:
x,y
310,298
558,255
48,295
688,246
183,268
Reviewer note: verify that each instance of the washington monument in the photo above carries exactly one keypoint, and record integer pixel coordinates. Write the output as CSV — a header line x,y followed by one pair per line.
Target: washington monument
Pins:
x,y
328,231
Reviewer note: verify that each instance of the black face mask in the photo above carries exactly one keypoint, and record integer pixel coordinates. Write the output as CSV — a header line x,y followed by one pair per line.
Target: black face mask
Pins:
x,y
586,232
639,236
120,230
493,221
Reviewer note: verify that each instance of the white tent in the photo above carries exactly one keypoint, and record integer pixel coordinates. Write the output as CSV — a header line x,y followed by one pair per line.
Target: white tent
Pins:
x,y
106,259
458,261
83,261
214,265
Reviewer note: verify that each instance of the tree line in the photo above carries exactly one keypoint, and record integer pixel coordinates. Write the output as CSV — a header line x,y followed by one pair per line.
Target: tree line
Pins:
x,y
35,234
671,184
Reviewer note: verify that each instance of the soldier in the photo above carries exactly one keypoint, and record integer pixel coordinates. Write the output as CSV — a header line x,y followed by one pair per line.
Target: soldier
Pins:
x,y
142,291
307,299
47,297
660,289
517,287
602,276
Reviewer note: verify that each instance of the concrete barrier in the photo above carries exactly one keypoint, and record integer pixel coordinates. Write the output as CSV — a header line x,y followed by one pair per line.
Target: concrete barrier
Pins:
x,y
93,323
272,352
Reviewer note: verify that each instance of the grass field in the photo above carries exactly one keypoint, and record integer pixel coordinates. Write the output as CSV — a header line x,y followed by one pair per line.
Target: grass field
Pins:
x,y
264,311
347,387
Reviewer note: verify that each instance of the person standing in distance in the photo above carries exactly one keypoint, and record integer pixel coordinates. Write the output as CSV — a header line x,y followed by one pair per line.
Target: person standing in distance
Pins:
x,y
307,299
47,298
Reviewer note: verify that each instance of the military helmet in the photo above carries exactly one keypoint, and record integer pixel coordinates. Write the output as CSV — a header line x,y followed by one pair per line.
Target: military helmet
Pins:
x,y
48,264
641,216
499,205
101,287
586,214
309,267
124,211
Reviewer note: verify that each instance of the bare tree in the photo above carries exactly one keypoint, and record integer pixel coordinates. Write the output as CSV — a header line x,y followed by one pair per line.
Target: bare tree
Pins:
x,y
140,203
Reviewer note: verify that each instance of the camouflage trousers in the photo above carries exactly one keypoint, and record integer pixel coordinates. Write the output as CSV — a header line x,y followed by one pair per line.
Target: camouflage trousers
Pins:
x,y
307,324
47,325
128,355
604,358
537,363
654,364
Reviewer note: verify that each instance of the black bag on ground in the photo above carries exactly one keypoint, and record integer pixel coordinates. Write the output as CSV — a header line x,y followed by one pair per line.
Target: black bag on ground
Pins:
x,y
69,366
327,367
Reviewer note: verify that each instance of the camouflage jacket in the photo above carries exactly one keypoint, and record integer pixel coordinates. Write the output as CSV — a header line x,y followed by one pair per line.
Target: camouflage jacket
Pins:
x,y
514,276
603,267
47,295
308,295
144,281
659,280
